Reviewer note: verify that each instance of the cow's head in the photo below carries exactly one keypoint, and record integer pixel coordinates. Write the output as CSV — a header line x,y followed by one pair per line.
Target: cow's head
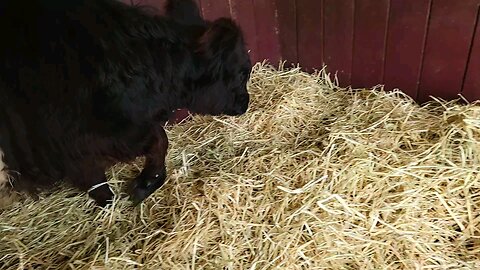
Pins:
x,y
223,66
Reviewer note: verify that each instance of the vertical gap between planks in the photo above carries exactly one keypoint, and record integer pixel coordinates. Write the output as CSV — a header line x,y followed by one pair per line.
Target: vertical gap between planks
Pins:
x,y
230,8
470,49
296,33
295,14
422,60
322,22
352,61
229,3
385,40
255,46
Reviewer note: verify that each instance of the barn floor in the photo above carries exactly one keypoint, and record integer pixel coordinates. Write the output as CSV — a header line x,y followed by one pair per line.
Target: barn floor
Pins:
x,y
312,177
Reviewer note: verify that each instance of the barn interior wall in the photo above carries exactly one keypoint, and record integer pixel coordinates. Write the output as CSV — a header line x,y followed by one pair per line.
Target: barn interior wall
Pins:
x,y
422,47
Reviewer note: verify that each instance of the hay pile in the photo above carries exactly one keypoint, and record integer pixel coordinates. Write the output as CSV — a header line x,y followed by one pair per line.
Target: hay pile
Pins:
x,y
312,177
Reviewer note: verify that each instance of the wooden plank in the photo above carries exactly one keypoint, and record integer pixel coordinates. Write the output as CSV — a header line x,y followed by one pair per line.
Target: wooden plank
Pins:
x,y
243,13
471,87
214,9
288,30
338,38
370,29
447,48
310,33
407,31
268,42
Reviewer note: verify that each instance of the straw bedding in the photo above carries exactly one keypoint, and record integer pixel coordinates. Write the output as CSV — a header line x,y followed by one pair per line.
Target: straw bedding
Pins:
x,y
312,177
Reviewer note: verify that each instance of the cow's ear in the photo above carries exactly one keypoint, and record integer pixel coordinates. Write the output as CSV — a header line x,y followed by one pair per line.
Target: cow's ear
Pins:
x,y
184,12
220,39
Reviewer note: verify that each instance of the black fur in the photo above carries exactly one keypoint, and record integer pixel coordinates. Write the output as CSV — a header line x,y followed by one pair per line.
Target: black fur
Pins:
x,y
88,83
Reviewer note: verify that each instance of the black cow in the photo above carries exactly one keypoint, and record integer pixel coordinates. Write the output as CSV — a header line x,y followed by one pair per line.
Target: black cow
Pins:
x,y
85,84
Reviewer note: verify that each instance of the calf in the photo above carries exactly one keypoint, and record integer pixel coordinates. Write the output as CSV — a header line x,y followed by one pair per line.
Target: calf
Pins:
x,y
85,84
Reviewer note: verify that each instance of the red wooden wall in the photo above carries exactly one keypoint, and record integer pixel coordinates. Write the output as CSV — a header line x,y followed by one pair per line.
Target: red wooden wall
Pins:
x,y
423,47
